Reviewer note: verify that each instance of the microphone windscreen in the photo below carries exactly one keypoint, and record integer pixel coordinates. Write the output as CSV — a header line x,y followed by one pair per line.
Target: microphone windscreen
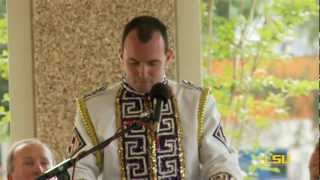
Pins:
x,y
160,91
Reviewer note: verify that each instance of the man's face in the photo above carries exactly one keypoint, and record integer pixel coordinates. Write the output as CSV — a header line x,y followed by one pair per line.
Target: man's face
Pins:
x,y
144,63
29,161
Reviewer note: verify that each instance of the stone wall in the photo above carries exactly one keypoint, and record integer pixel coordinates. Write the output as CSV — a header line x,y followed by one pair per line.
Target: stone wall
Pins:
x,y
75,50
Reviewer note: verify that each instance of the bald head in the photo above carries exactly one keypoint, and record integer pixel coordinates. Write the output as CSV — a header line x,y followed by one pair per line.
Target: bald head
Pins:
x,y
28,159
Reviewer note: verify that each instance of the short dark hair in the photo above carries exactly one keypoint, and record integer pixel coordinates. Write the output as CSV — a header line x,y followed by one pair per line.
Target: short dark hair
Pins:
x,y
146,26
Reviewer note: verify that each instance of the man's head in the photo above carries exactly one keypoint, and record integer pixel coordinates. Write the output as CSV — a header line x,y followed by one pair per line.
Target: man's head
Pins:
x,y
145,54
28,159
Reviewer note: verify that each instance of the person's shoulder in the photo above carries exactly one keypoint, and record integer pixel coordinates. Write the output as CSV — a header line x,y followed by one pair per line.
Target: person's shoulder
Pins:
x,y
190,85
187,87
101,91
96,92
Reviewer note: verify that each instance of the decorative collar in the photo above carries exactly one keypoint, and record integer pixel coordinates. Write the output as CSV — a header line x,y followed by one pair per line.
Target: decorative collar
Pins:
x,y
127,87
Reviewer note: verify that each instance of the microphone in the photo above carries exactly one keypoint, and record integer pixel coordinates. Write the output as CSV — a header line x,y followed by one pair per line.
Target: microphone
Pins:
x,y
159,94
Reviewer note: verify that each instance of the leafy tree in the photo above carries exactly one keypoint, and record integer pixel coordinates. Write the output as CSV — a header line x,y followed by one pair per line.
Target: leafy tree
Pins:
x,y
3,6
245,33
4,97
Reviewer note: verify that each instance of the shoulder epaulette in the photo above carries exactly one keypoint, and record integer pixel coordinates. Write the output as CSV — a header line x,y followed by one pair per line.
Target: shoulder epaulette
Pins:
x,y
95,92
190,85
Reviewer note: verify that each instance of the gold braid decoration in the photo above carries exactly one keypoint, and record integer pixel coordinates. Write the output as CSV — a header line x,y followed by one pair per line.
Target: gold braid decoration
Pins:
x,y
152,140
86,120
120,141
153,154
201,110
180,140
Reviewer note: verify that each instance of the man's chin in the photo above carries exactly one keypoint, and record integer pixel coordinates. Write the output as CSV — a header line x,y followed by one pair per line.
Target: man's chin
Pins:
x,y
143,89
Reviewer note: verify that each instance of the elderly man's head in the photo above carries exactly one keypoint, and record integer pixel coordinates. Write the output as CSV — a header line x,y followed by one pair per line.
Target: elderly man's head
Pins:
x,y
28,159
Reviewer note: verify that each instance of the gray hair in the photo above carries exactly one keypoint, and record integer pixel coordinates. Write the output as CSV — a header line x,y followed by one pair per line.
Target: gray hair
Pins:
x,y
12,150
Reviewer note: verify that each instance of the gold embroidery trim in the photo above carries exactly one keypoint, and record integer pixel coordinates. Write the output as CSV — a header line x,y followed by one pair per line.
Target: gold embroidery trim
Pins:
x,y
201,112
87,123
118,124
152,140
153,154
180,140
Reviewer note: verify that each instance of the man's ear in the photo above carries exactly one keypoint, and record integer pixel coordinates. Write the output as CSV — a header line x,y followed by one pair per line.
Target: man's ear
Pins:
x,y
170,56
120,54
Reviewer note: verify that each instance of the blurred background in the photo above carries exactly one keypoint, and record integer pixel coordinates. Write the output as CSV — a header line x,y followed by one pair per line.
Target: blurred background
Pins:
x,y
260,59
4,97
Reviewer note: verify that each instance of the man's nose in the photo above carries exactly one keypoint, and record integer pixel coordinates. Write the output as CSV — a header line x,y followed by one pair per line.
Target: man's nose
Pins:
x,y
39,169
143,70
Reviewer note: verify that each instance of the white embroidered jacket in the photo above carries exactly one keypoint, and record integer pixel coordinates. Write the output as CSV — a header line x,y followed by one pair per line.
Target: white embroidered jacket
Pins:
x,y
201,147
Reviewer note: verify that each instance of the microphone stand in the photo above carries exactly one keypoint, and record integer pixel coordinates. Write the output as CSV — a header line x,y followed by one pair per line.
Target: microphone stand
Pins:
x,y
60,170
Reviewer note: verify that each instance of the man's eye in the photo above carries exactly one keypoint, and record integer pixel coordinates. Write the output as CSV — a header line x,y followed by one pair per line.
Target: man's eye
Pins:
x,y
153,63
28,163
133,63
45,163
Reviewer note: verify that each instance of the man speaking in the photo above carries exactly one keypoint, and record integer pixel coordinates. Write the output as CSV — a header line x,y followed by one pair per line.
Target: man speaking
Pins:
x,y
185,142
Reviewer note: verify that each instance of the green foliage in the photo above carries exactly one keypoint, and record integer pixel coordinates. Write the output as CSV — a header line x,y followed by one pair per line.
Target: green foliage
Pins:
x,y
3,31
4,96
3,10
5,121
246,33
4,73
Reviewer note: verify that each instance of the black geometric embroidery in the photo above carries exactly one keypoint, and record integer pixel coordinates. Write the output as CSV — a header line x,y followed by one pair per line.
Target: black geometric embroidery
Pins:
x,y
77,143
135,142
218,133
